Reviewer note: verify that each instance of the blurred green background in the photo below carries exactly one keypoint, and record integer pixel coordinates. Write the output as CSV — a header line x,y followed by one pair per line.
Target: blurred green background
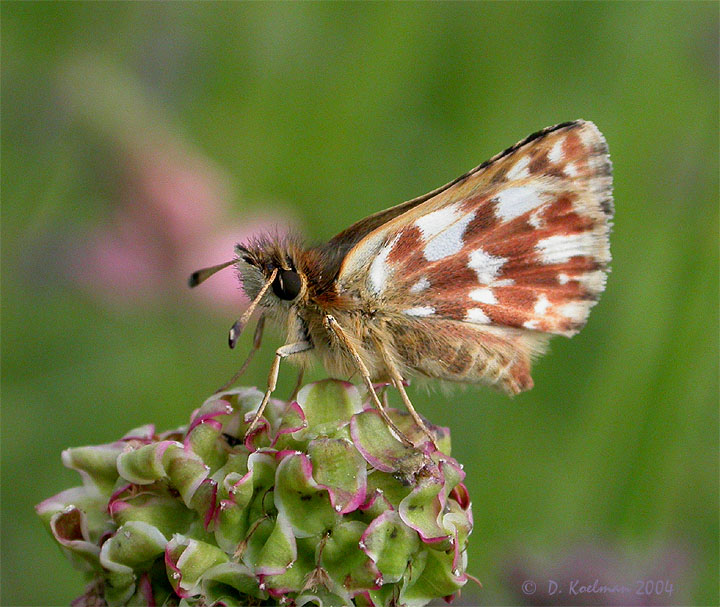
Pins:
x,y
140,139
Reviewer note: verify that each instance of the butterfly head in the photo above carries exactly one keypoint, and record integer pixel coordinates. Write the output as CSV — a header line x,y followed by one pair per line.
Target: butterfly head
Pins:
x,y
269,273
270,276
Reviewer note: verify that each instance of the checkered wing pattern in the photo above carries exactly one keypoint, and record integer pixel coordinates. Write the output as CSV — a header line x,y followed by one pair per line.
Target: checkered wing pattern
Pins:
x,y
520,242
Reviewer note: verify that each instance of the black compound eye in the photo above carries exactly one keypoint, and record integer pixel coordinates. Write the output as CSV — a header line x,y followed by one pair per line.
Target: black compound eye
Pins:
x,y
287,284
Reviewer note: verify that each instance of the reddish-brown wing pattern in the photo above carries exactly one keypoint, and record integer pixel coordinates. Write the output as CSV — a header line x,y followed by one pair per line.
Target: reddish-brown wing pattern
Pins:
x,y
521,242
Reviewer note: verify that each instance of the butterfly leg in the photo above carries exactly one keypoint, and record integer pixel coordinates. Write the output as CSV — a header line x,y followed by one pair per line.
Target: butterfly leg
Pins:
x,y
298,385
333,326
280,353
257,341
398,383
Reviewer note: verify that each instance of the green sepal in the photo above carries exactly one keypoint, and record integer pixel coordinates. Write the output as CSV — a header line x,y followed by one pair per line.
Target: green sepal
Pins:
x,y
191,559
381,449
144,464
185,472
159,509
343,559
237,576
299,498
339,468
421,511
328,406
391,544
134,545
436,580
279,551
97,465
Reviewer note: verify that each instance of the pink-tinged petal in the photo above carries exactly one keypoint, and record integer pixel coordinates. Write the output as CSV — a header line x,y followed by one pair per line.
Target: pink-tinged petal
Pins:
x,y
144,433
145,588
390,544
380,448
234,575
339,468
70,528
281,455
421,509
376,501
279,551
115,503
346,564
292,420
461,496
96,465
276,593
328,406
211,413
173,551
365,596
62,500
300,499
205,502
230,516
452,470
143,465
259,437
185,472
437,579
187,560
239,488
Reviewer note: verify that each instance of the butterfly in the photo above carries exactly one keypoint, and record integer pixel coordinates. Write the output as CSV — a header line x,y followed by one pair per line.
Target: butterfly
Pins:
x,y
464,284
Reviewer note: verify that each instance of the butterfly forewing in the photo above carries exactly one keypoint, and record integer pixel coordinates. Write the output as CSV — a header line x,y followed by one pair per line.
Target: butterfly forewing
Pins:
x,y
521,241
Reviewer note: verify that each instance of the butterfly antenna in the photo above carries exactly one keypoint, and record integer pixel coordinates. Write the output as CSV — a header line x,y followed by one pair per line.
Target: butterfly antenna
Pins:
x,y
237,328
202,275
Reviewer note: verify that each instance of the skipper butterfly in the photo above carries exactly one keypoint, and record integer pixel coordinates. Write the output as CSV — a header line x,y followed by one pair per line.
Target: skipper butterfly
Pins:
x,y
466,283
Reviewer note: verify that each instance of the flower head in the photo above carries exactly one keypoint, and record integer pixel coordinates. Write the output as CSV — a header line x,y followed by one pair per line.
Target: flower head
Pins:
x,y
320,505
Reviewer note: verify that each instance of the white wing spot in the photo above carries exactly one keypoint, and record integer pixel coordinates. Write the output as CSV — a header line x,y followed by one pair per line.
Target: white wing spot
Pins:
x,y
556,152
513,202
519,169
505,282
589,135
435,222
420,285
420,311
477,315
443,231
577,311
483,295
593,281
561,247
530,324
535,220
379,269
570,169
563,279
486,266
541,305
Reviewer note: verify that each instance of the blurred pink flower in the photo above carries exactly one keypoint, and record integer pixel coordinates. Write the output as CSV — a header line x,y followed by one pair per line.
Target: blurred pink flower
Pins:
x,y
172,214
171,218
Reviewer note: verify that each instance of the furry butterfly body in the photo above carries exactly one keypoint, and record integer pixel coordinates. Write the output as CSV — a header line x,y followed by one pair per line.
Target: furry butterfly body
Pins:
x,y
466,283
